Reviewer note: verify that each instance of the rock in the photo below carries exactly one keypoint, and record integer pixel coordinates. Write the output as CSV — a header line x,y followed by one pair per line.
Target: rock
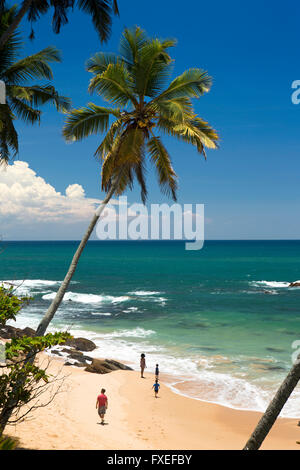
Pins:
x,y
119,365
77,364
79,356
10,332
104,366
276,350
28,332
54,351
81,344
100,366
295,284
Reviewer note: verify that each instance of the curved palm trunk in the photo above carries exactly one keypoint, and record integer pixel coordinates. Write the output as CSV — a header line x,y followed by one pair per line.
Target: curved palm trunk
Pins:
x,y
268,419
22,12
63,288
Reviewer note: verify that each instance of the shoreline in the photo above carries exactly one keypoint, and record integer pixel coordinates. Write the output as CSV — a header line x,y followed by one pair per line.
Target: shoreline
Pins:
x,y
137,420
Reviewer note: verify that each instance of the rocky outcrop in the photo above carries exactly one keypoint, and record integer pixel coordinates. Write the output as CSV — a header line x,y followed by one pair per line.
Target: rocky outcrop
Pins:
x,y
295,284
10,332
81,344
104,366
72,351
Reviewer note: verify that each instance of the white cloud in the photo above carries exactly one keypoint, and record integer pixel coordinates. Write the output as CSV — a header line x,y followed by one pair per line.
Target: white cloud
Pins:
x,y
75,191
29,204
26,197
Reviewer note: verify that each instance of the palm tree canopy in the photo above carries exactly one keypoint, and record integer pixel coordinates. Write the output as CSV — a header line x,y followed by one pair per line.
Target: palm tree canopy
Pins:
x,y
24,98
101,12
144,103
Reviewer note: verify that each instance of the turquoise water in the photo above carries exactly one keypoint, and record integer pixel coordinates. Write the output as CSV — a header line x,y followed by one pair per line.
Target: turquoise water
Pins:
x,y
221,321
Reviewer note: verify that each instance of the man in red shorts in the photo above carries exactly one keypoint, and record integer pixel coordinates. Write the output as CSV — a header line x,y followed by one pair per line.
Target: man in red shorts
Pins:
x,y
102,404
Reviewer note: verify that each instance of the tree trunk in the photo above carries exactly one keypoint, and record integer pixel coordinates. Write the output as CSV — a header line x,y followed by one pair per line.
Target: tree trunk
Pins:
x,y
20,15
63,288
268,419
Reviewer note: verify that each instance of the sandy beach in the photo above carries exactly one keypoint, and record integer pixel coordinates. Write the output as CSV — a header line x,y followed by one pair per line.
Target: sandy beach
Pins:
x,y
136,420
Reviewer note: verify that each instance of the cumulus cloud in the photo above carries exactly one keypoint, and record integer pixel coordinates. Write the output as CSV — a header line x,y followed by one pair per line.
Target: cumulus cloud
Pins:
x,y
31,206
75,191
26,197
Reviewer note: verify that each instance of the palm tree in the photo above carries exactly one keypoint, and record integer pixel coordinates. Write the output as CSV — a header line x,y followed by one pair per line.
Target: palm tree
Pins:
x,y
23,99
141,107
272,412
100,11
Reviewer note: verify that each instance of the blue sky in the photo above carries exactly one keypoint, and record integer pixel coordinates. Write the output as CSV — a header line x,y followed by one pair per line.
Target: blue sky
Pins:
x,y
250,186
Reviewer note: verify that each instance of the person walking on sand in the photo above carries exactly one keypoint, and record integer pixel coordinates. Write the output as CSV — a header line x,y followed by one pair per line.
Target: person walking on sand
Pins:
x,y
157,372
102,404
142,365
156,387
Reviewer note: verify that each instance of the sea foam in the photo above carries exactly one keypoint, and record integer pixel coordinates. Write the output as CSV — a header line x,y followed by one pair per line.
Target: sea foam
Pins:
x,y
87,298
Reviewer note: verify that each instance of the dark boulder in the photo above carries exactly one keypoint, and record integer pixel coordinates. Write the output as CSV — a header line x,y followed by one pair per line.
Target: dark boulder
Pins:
x,y
10,332
104,366
81,344
28,332
295,284
117,364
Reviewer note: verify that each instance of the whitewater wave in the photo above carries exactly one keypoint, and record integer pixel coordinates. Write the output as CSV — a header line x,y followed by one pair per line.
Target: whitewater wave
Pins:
x,y
272,284
145,293
135,333
28,286
88,298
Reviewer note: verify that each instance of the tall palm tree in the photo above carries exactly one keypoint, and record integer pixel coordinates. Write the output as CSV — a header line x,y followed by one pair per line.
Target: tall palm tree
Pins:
x,y
24,98
100,11
133,82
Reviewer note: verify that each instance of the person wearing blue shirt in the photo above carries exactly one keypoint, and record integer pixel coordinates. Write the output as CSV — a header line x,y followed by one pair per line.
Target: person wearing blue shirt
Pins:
x,y
156,387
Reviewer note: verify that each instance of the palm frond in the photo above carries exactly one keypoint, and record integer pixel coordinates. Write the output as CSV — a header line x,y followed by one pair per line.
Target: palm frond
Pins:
x,y
100,61
131,146
132,40
174,109
139,170
125,155
190,84
108,141
34,66
195,131
86,121
153,67
114,85
47,94
8,134
162,162
24,111
101,13
9,51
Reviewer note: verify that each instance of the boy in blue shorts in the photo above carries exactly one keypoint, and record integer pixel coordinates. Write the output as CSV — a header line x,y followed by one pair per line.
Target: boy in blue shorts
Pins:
x,y
156,387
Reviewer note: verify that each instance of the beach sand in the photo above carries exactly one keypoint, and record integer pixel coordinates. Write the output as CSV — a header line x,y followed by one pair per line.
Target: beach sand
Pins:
x,y
136,420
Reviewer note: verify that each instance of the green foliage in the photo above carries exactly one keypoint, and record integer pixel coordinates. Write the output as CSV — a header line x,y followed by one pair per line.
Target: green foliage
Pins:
x,y
27,344
137,85
24,98
20,376
7,443
10,304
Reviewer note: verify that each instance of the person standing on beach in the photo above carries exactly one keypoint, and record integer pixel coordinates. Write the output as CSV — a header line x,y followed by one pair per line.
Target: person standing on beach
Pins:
x,y
157,372
156,387
143,365
102,404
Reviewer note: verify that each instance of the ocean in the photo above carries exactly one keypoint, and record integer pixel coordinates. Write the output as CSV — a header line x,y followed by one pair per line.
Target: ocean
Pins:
x,y
221,322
